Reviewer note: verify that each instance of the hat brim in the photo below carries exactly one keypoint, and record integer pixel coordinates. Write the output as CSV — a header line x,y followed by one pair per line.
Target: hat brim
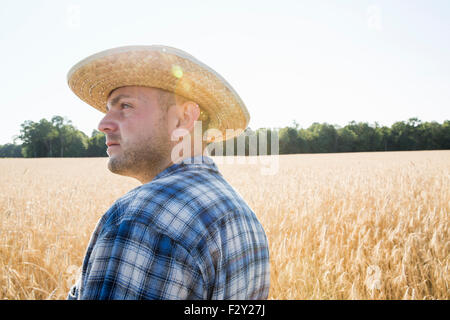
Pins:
x,y
167,68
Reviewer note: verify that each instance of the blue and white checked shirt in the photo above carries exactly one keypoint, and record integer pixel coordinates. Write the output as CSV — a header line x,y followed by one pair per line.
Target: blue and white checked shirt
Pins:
x,y
187,234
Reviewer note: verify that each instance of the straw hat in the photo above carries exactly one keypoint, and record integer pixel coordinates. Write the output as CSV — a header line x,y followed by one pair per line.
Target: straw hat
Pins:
x,y
167,68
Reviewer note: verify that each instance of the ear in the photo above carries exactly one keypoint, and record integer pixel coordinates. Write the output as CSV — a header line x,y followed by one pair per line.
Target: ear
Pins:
x,y
188,113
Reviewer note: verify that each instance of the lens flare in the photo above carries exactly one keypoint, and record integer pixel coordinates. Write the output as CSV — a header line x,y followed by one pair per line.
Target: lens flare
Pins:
x,y
177,71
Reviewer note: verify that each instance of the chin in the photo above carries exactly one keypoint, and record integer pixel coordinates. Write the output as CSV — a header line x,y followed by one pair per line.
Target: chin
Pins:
x,y
118,166
115,165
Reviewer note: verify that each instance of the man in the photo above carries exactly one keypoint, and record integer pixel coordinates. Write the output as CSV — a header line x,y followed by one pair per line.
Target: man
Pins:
x,y
185,233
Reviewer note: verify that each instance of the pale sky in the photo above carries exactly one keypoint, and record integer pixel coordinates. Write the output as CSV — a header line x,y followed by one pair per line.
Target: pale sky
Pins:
x,y
308,61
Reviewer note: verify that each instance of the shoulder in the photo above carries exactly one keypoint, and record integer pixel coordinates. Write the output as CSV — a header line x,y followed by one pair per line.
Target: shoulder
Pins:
x,y
184,205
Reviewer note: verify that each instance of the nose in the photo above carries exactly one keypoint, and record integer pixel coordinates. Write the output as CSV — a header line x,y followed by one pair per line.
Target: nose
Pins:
x,y
108,123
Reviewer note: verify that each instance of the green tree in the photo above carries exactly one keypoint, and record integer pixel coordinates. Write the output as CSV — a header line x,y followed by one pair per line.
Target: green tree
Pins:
x,y
76,142
346,140
366,136
324,137
445,135
33,134
401,136
289,140
384,141
61,125
54,138
429,136
11,150
96,145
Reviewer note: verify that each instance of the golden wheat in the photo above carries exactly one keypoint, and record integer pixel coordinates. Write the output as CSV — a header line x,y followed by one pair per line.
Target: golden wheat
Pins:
x,y
340,226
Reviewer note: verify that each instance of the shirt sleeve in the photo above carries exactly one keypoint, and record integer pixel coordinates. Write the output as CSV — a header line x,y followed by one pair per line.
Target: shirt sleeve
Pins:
x,y
135,262
73,293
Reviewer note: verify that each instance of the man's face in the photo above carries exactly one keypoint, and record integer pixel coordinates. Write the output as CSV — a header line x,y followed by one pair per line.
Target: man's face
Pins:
x,y
137,132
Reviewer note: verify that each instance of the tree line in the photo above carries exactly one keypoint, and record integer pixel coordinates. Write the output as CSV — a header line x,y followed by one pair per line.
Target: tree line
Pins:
x,y
58,137
55,138
412,134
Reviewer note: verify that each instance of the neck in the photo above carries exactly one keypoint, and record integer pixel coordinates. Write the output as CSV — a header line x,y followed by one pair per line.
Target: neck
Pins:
x,y
148,175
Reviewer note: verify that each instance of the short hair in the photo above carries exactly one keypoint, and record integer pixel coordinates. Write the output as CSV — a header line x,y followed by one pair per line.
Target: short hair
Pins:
x,y
167,99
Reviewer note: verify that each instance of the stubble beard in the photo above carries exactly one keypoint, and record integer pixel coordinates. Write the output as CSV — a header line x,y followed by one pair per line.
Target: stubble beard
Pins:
x,y
144,159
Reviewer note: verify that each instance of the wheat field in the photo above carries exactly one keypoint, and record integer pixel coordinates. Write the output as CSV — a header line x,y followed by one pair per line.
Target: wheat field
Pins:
x,y
340,226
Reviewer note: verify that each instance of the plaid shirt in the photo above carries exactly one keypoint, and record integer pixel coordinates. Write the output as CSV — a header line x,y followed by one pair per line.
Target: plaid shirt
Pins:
x,y
187,234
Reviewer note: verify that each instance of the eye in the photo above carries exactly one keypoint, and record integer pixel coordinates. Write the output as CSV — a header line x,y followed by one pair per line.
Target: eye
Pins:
x,y
126,106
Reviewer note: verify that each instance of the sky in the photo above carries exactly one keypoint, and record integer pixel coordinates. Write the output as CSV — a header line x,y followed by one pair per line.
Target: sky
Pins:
x,y
304,61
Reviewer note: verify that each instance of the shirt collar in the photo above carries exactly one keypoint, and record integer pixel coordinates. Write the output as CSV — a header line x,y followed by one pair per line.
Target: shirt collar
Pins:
x,y
197,162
